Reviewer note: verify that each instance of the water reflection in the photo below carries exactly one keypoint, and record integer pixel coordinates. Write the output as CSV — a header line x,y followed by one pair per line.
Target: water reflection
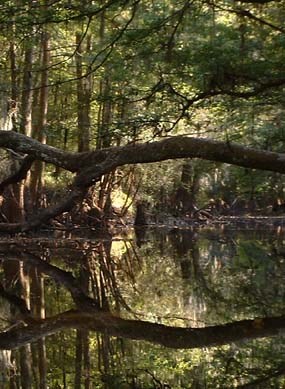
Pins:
x,y
169,309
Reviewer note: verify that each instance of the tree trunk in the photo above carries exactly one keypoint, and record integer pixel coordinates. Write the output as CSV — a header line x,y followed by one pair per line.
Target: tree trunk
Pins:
x,y
140,218
187,189
84,90
27,92
37,179
14,201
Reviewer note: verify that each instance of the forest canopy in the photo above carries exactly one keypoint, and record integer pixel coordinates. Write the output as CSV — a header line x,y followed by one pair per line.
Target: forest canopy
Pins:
x,y
90,89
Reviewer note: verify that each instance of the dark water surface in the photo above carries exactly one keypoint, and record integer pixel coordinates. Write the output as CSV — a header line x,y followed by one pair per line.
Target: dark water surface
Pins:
x,y
145,310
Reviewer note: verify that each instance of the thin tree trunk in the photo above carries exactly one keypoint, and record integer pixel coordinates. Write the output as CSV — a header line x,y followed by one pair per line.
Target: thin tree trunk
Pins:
x,y
84,89
104,122
37,181
26,118
105,114
27,92
14,81
15,194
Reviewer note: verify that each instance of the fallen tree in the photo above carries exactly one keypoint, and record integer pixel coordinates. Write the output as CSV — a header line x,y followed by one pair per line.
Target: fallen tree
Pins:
x,y
90,166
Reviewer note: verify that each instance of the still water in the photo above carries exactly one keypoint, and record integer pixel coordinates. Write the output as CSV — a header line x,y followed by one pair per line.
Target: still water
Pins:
x,y
195,308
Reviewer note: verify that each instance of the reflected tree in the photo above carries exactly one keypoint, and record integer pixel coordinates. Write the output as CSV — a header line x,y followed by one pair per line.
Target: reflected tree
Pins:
x,y
97,302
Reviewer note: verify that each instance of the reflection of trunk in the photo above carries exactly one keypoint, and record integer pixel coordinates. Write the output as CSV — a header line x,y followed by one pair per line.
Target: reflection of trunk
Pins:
x,y
78,360
106,285
105,359
26,367
140,233
196,291
25,351
11,272
183,241
16,278
185,244
82,360
38,307
82,354
86,359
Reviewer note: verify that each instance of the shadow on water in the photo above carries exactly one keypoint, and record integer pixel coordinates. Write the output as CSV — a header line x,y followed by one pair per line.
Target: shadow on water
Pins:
x,y
161,308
